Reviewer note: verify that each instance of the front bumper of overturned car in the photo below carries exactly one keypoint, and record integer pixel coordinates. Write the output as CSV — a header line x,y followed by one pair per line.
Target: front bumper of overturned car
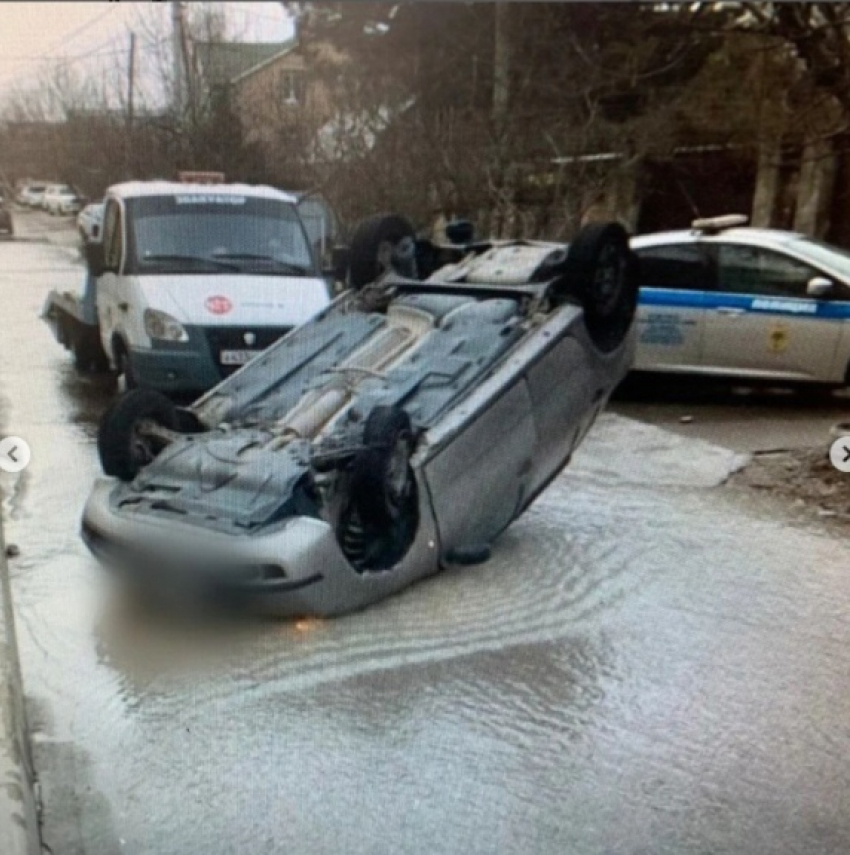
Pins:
x,y
296,569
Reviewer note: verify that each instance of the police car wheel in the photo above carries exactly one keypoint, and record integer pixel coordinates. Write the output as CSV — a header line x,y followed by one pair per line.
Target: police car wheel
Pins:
x,y
380,243
602,272
122,447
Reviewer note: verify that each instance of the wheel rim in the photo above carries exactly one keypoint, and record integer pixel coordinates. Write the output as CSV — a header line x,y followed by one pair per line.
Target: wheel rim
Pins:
x,y
398,481
608,280
384,256
142,448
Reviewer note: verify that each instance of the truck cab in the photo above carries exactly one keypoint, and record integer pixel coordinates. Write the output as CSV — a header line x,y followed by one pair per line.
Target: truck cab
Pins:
x,y
193,280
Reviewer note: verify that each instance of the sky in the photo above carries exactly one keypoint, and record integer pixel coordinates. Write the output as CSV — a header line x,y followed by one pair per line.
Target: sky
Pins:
x,y
31,34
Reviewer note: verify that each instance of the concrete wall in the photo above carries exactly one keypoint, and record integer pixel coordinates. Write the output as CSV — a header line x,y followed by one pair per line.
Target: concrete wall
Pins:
x,y
19,832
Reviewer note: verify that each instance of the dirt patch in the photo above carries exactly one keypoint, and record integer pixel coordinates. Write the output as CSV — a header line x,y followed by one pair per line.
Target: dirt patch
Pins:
x,y
803,477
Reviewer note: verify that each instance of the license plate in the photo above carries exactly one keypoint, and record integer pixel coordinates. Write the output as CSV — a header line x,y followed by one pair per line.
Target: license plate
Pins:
x,y
237,357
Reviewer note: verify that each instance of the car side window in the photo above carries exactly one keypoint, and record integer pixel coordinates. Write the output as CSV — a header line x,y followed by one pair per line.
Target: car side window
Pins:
x,y
112,236
683,267
753,270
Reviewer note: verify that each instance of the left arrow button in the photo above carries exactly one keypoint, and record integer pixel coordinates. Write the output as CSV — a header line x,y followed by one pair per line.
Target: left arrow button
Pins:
x,y
15,454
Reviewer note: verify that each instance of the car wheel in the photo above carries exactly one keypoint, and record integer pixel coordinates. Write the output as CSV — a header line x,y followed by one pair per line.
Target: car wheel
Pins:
x,y
84,353
123,449
382,480
381,243
601,271
124,368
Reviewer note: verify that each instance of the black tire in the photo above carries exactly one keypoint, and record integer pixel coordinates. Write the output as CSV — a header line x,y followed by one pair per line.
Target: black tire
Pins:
x,y
382,480
601,271
122,451
373,239
84,351
124,367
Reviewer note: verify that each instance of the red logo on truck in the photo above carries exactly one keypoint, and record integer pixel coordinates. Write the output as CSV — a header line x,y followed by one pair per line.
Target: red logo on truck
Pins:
x,y
218,305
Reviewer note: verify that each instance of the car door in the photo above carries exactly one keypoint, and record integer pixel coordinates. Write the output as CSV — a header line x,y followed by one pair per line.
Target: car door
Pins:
x,y
675,279
762,322
478,480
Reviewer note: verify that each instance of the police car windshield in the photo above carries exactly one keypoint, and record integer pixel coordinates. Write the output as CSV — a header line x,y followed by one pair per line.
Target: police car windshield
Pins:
x,y
173,234
825,255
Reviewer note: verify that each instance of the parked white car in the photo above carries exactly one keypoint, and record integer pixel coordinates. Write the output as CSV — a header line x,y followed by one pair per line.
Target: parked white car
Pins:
x,y
90,221
62,199
32,195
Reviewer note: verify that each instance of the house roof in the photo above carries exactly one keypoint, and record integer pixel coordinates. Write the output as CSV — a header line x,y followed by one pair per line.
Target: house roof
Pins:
x,y
223,62
285,49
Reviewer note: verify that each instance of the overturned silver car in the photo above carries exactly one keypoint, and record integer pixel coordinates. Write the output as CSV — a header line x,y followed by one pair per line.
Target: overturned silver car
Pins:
x,y
399,431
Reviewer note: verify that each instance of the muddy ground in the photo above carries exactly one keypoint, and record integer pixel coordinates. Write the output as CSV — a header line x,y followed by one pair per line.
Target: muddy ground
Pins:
x,y
802,478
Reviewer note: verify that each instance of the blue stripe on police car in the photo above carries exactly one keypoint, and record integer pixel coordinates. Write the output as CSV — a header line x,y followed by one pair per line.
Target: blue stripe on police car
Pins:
x,y
828,309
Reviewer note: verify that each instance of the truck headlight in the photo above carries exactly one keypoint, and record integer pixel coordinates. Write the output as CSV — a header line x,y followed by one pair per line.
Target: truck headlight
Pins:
x,y
162,326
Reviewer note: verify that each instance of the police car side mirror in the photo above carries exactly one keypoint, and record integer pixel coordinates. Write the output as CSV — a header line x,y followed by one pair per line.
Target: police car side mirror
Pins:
x,y
819,286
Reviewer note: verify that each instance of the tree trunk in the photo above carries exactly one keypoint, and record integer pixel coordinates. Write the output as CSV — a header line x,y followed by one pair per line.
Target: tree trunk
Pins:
x,y
814,194
767,184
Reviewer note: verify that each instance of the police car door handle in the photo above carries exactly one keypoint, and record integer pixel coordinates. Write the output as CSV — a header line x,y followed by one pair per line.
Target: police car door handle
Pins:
x,y
729,310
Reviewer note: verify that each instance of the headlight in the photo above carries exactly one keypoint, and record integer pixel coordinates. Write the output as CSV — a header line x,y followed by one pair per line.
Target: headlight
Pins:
x,y
162,326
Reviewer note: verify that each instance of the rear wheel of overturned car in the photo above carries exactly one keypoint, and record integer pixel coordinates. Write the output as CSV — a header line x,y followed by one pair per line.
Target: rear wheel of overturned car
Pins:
x,y
123,444
601,271
381,243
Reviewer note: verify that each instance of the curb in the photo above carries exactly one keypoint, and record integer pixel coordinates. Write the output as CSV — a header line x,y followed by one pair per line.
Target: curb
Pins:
x,y
19,831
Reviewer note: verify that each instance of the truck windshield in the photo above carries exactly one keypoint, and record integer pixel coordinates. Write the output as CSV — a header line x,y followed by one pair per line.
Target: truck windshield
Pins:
x,y
216,233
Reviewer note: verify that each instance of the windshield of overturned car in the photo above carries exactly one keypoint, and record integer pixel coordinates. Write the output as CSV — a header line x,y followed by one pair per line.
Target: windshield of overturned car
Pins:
x,y
210,233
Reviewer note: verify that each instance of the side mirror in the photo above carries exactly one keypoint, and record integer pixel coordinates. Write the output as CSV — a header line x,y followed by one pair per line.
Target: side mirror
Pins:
x,y
94,258
819,286
340,260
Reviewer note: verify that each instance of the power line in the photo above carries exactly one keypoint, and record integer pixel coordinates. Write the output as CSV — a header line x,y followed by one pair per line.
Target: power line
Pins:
x,y
81,29
16,69
61,60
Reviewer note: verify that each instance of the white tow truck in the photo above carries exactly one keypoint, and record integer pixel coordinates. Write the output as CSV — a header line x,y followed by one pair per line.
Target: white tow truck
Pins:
x,y
188,281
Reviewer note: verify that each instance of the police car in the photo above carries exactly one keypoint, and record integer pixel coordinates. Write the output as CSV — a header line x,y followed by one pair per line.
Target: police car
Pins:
x,y
725,299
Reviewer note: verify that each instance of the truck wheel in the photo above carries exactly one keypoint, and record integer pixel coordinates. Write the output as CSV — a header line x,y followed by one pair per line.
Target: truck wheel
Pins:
x,y
122,449
602,272
124,368
382,481
85,355
381,243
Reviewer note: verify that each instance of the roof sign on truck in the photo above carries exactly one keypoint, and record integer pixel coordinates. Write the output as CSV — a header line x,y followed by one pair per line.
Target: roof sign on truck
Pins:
x,y
186,177
209,199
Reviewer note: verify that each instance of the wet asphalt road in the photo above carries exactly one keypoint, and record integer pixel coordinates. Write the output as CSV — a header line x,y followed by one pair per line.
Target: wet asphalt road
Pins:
x,y
649,664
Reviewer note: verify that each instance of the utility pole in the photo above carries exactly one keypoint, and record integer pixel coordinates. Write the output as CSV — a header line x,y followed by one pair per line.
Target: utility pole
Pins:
x,y
501,100
177,57
501,65
131,82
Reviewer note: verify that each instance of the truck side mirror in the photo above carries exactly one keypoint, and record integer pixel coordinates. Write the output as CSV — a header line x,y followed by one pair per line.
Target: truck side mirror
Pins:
x,y
94,258
340,259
